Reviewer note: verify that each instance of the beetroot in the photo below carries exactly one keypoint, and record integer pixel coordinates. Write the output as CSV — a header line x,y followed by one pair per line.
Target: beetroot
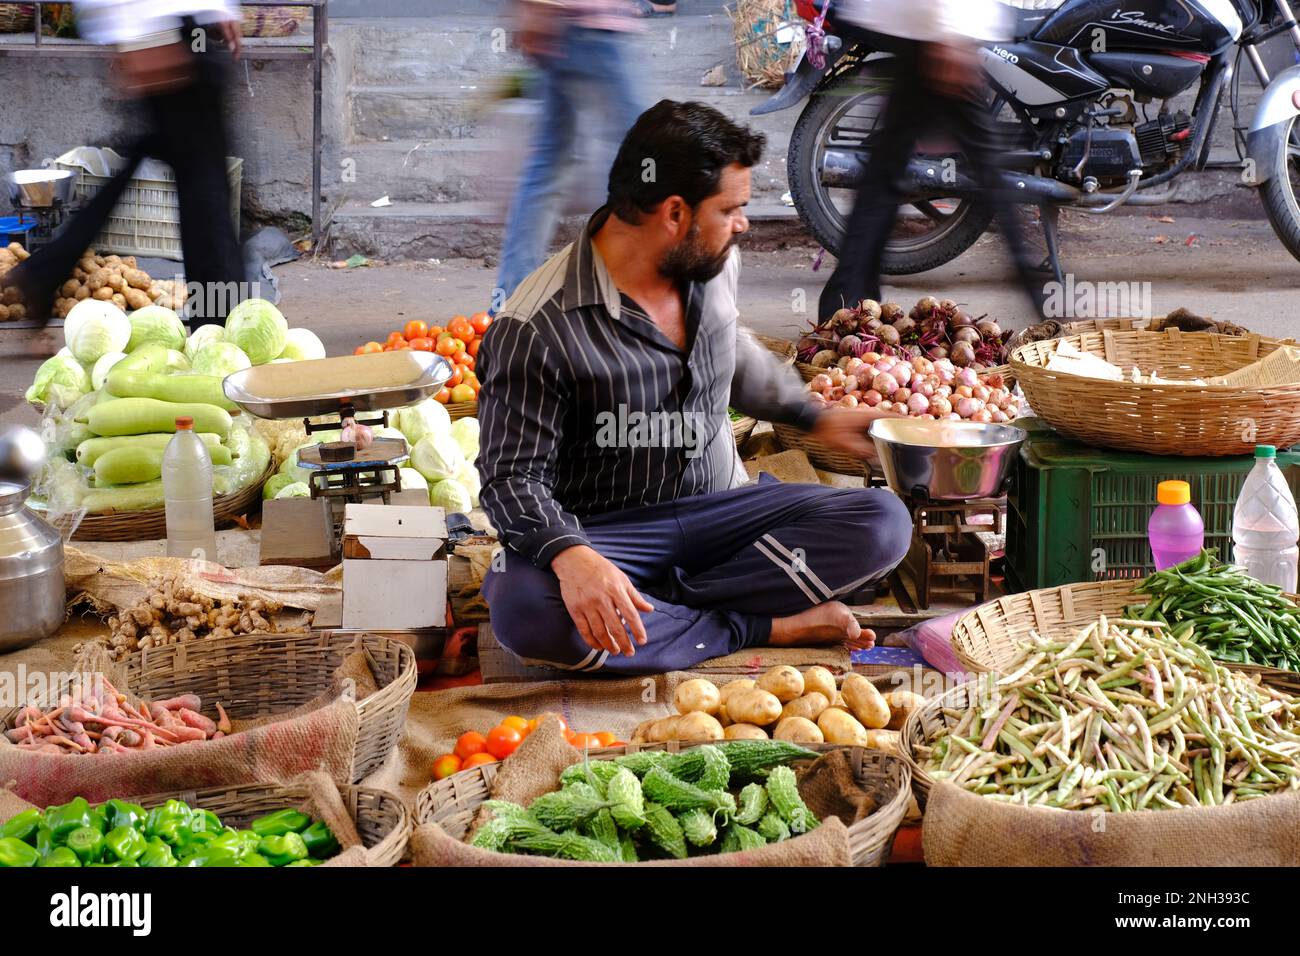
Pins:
x,y
966,333
850,345
963,354
889,335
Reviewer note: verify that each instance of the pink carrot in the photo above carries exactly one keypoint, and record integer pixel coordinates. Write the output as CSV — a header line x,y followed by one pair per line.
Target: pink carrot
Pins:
x,y
193,719
223,724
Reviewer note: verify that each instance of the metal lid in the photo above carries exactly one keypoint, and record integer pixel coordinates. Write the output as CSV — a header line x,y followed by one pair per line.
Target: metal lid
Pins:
x,y
12,495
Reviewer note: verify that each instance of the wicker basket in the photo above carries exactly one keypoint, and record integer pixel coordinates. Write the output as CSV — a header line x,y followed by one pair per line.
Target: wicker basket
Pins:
x,y
742,428
462,409
820,454
272,21
1156,324
755,25
383,822
781,348
17,17
990,637
1189,420
452,802
256,675
146,525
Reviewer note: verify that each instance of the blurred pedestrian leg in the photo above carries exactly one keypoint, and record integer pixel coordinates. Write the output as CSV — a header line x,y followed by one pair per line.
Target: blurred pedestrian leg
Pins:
x,y
583,76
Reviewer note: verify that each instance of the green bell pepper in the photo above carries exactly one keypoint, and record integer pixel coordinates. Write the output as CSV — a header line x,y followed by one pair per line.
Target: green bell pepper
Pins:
x,y
125,843
307,862
249,840
120,813
87,843
253,859
213,858
23,826
99,819
228,841
67,817
283,849
320,840
169,822
157,854
44,843
117,863
14,852
192,844
205,821
280,822
60,856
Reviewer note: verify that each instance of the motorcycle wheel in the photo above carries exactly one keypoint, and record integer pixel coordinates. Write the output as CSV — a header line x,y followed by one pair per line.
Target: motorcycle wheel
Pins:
x,y
925,236
1280,193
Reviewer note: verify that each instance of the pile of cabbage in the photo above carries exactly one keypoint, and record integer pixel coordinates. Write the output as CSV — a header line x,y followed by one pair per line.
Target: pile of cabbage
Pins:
x,y
98,335
442,458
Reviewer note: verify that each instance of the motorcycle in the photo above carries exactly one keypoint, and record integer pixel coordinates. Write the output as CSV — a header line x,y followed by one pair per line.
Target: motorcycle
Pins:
x,y
1071,95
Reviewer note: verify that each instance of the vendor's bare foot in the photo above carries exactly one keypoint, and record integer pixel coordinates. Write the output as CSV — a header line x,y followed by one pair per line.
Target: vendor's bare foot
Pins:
x,y
830,623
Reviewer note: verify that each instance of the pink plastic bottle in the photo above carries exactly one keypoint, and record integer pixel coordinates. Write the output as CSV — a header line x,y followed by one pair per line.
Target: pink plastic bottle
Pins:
x,y
1175,529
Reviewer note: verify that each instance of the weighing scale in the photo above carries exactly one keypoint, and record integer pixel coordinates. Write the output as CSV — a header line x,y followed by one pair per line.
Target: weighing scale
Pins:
x,y
43,200
333,391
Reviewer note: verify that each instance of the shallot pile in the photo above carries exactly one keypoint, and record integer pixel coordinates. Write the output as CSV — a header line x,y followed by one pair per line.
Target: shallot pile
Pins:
x,y
100,719
917,387
934,329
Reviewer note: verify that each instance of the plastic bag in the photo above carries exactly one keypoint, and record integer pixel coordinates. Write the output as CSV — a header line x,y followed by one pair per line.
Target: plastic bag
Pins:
x,y
932,639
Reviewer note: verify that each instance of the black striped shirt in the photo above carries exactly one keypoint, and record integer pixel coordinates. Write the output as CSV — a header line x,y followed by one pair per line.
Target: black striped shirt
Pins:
x,y
586,407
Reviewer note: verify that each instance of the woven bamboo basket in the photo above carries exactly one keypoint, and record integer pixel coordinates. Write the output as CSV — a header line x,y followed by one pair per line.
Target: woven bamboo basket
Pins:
x,y
272,21
742,428
462,409
1156,324
452,802
256,675
1191,420
989,637
145,525
819,453
781,348
762,60
17,17
383,822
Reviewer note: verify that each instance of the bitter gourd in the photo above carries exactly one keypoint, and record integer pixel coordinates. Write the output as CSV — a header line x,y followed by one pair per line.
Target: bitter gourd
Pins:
x,y
566,809
664,831
753,804
753,758
698,827
772,828
677,795
627,801
783,791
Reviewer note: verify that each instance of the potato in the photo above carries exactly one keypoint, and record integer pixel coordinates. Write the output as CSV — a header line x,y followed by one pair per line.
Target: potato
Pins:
x,y
116,283
115,259
98,280
69,288
4,313
901,703
663,729
840,727
697,694
83,292
723,717
99,261
754,706
734,687
17,249
88,265
640,735
745,732
821,680
809,706
838,701
119,300
865,702
890,741
11,295
135,299
699,727
783,682
137,279
798,730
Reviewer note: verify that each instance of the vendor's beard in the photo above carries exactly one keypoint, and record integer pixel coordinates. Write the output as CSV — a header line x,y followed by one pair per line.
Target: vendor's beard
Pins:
x,y
690,261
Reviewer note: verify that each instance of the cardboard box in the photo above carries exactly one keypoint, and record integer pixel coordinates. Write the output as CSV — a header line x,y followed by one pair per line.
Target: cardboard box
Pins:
x,y
394,567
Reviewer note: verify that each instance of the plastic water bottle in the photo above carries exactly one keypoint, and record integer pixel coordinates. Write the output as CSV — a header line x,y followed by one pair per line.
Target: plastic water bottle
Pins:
x,y
187,488
1265,525
1175,529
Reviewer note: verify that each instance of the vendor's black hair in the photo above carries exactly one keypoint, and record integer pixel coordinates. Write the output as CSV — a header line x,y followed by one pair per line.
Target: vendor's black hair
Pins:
x,y
676,149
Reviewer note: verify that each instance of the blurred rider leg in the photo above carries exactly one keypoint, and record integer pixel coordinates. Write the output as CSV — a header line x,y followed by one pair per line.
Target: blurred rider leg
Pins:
x,y
937,84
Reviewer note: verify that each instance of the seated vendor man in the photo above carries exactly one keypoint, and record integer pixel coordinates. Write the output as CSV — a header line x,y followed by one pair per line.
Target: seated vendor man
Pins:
x,y
609,469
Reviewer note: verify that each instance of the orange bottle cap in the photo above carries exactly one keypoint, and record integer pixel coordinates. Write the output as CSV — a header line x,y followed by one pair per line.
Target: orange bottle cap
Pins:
x,y
184,422
1173,493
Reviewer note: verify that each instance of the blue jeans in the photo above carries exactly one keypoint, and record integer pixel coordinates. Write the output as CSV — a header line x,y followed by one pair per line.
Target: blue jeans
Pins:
x,y
591,66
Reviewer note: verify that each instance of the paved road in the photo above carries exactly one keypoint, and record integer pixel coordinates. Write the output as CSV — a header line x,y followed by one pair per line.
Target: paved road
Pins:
x,y
1232,269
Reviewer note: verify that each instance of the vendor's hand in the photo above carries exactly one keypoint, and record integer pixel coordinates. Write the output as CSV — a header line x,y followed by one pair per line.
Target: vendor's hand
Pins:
x,y
601,600
846,429
232,31
154,70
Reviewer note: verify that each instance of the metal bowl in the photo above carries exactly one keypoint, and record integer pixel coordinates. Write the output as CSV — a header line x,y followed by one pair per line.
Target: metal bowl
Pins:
x,y
945,460
40,188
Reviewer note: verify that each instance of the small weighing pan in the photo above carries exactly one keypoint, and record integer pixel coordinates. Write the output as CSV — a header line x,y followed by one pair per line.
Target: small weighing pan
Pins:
x,y
365,383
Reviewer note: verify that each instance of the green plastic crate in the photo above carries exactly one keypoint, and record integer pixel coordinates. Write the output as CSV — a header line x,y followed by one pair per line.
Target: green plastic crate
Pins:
x,y
1076,513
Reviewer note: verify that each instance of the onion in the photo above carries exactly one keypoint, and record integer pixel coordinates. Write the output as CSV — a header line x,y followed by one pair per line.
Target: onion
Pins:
x,y
968,376
981,392
844,362
965,407
851,383
940,406
918,404
886,364
849,345
889,335
923,388
963,354
902,396
825,358
903,372
961,391
834,394
853,365
943,391
885,384
952,417
966,334
999,415
925,418
989,329
849,401
900,408
871,358
820,382
983,415
872,397
837,375
922,365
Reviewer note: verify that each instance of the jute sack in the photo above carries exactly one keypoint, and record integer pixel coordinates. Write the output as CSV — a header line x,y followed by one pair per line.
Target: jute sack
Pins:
x,y
965,829
319,736
534,769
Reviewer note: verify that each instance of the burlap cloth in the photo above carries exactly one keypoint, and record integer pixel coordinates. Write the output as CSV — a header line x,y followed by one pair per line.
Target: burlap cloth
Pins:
x,y
965,829
323,802
535,768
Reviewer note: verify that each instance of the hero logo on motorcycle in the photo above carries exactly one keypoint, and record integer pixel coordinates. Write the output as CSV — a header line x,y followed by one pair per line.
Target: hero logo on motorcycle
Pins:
x,y
1006,55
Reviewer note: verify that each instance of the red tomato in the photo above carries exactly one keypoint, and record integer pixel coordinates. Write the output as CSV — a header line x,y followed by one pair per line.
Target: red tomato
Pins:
x,y
415,329
395,345
518,723
586,741
422,344
448,346
457,376
606,738
434,332
465,359
359,350
443,396
472,348
371,347
502,741
463,393
394,336
445,766
478,760
480,322
460,327
470,743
